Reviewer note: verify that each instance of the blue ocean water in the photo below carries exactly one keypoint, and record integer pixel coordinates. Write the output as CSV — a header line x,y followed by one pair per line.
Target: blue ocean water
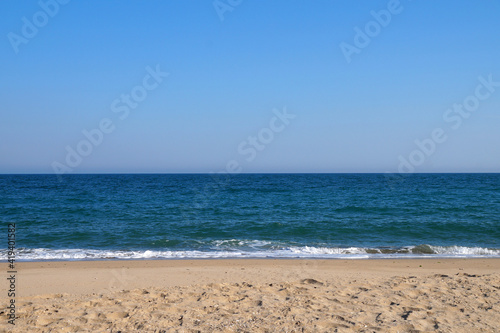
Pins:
x,y
251,216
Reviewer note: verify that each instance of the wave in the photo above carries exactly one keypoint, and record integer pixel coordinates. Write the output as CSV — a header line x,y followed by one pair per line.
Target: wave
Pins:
x,y
257,249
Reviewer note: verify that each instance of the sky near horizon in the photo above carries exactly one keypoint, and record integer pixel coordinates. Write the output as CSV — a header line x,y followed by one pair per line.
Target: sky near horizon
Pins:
x,y
249,86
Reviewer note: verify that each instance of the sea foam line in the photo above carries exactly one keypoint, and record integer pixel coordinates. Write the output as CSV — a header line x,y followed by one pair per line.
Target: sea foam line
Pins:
x,y
305,252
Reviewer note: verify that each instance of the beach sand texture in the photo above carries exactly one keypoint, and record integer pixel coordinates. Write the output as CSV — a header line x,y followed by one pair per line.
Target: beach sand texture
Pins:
x,y
447,295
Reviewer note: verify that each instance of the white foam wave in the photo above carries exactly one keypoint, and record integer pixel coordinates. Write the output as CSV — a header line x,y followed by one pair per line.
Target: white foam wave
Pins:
x,y
465,251
240,243
260,249
308,250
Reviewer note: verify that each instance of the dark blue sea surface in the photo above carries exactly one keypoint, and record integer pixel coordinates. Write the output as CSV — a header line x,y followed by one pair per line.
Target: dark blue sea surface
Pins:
x,y
251,215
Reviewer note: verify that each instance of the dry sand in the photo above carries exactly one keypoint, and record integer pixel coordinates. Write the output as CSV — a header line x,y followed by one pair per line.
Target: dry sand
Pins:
x,y
431,295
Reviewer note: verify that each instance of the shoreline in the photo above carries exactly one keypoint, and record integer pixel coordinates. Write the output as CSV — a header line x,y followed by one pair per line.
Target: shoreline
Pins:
x,y
29,261
432,257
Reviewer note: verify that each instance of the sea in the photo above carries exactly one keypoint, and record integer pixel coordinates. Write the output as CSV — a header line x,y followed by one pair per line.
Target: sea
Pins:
x,y
200,216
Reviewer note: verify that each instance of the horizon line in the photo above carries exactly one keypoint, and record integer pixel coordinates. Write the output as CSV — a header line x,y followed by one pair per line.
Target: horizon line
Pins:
x,y
243,173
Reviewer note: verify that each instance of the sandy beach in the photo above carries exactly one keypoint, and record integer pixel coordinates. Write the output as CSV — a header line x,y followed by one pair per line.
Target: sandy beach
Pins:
x,y
431,295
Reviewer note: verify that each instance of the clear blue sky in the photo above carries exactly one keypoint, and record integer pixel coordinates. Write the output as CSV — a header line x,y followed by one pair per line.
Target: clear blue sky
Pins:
x,y
227,76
